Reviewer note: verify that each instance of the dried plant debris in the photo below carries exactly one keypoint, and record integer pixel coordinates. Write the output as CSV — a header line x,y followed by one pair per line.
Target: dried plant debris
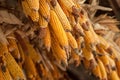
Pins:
x,y
60,40
9,18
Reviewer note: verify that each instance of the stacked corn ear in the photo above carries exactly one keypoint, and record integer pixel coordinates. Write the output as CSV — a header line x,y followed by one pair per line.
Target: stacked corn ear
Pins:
x,y
64,35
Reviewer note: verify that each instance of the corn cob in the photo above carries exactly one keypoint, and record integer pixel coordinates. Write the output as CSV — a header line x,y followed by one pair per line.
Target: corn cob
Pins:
x,y
6,75
3,48
89,57
62,17
76,59
22,55
42,22
114,76
47,39
96,71
34,16
33,4
102,70
90,42
72,41
38,77
56,26
28,48
86,63
1,75
80,29
71,20
87,54
80,42
112,63
26,8
56,48
13,48
14,69
69,4
105,61
32,53
118,66
45,73
29,68
103,43
44,9
64,9
32,13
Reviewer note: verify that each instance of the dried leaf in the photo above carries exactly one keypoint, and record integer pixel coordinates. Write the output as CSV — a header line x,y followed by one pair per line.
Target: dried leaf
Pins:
x,y
3,37
9,18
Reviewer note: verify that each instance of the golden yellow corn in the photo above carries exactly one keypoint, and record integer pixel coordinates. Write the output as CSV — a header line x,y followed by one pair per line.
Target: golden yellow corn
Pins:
x,y
29,12
6,74
33,4
114,76
102,69
14,69
69,4
62,17
29,67
47,39
72,41
96,71
42,22
60,53
58,30
13,48
28,48
22,55
118,66
44,9
1,75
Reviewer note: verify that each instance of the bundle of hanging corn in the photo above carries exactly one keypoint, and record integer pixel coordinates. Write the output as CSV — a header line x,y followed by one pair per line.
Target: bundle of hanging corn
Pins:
x,y
58,33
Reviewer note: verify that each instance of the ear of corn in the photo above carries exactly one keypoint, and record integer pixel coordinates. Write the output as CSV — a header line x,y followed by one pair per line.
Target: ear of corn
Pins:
x,y
33,4
34,16
76,59
102,70
30,68
47,39
26,8
72,41
112,63
56,48
87,54
28,48
56,26
6,75
96,71
62,17
118,66
44,9
42,22
86,63
13,48
80,43
22,55
113,76
68,4
30,12
1,75
32,53
15,71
